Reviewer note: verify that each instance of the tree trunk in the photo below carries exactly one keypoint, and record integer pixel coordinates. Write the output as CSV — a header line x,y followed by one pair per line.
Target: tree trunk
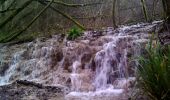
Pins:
x,y
168,11
145,10
114,14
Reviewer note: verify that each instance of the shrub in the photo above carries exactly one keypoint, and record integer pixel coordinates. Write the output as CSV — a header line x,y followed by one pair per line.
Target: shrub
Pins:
x,y
74,32
154,72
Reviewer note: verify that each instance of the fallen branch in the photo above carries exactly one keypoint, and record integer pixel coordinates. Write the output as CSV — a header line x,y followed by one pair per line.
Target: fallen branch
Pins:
x,y
11,4
15,13
91,17
55,89
29,83
7,10
65,15
73,5
144,10
14,35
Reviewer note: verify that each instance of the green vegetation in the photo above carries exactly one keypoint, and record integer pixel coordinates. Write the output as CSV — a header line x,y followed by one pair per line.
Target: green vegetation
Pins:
x,y
154,72
17,16
16,34
13,11
74,32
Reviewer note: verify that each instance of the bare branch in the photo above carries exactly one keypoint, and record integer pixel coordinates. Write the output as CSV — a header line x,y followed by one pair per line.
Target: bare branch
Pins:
x,y
15,13
65,15
91,17
7,10
14,35
73,5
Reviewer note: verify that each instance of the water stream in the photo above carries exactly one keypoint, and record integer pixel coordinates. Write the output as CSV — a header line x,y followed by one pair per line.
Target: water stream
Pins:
x,y
97,66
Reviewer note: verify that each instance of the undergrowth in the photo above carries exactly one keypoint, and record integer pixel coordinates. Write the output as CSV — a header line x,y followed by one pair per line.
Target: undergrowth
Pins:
x,y
154,72
74,33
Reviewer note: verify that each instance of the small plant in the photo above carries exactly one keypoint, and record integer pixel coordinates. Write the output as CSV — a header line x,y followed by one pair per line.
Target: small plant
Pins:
x,y
154,72
74,32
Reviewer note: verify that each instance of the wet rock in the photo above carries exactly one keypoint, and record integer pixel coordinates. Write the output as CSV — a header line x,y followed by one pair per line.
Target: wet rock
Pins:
x,y
3,67
27,72
25,90
124,83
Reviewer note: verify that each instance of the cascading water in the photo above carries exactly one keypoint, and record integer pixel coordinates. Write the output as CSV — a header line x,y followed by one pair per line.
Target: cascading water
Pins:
x,y
113,73
15,62
107,61
75,78
94,67
111,66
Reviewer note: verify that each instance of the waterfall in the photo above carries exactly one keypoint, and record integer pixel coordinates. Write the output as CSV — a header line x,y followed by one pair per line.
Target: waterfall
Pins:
x,y
113,71
97,66
15,62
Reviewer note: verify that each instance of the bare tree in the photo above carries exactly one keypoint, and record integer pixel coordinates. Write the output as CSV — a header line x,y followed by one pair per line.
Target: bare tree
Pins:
x,y
114,13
